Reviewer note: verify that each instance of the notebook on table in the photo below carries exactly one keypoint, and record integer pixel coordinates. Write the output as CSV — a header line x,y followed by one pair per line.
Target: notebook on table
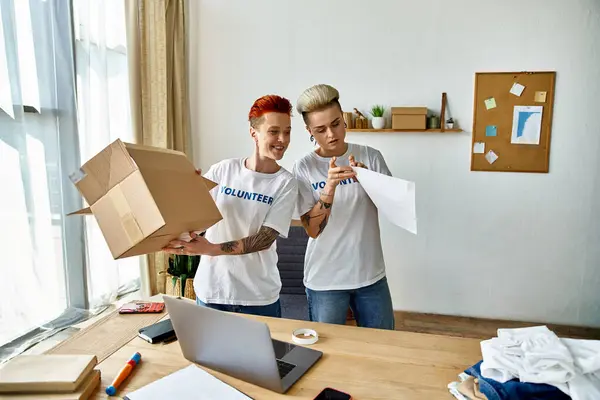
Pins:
x,y
83,392
45,373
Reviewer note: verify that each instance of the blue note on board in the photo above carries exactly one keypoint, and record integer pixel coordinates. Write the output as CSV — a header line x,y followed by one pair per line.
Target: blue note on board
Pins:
x,y
490,130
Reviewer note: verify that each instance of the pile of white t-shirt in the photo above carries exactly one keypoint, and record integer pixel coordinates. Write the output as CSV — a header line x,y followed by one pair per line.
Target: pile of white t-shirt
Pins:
x,y
537,355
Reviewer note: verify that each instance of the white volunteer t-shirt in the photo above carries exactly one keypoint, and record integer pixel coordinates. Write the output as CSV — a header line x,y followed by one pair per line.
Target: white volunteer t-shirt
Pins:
x,y
347,254
247,200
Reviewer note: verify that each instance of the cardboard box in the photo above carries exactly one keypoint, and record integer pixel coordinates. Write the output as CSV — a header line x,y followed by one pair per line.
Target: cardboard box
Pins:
x,y
143,197
409,118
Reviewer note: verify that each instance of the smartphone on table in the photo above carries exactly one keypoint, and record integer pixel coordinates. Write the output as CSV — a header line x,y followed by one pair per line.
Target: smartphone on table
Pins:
x,y
332,394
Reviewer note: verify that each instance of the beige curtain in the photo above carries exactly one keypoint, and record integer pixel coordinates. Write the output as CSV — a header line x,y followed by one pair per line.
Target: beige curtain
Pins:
x,y
158,84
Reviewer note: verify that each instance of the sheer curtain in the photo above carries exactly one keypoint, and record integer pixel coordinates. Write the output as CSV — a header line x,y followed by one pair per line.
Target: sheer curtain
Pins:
x,y
159,100
104,115
38,271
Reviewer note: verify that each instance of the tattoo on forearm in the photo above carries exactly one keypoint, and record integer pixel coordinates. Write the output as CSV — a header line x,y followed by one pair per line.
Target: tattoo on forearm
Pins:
x,y
228,247
323,224
324,204
305,219
260,241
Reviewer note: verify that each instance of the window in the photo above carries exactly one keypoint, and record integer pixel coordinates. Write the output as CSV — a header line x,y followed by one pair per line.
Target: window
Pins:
x,y
104,116
41,275
55,266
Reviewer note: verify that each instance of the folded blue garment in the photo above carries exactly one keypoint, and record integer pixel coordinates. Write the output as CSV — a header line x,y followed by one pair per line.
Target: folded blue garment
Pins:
x,y
514,389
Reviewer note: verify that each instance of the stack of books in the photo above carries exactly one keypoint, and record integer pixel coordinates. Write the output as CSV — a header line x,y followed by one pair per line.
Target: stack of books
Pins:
x,y
49,376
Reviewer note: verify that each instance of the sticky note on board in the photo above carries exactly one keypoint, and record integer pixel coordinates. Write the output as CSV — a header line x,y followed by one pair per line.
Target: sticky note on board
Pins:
x,y
517,89
490,103
491,157
491,130
478,148
540,97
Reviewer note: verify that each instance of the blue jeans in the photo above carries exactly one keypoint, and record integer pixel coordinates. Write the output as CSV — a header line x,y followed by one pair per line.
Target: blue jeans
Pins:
x,y
270,310
371,305
513,389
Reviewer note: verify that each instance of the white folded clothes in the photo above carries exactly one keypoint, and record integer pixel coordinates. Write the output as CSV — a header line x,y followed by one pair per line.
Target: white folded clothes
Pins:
x,y
586,354
537,355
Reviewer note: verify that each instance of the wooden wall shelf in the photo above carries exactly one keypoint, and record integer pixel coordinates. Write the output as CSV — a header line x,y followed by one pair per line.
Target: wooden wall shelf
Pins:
x,y
404,130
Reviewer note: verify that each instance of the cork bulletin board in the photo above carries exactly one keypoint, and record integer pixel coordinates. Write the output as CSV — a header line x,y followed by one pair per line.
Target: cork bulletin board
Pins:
x,y
512,121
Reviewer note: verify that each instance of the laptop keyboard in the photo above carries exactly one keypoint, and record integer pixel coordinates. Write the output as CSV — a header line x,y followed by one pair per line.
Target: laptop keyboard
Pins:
x,y
284,368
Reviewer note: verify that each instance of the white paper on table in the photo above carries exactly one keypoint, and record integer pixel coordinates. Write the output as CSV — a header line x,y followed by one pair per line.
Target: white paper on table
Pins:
x,y
393,197
191,383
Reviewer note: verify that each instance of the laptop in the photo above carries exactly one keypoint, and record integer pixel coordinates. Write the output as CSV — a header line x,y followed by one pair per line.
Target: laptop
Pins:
x,y
237,346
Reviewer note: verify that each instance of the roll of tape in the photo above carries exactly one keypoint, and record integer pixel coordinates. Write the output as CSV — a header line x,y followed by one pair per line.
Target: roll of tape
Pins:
x,y
305,336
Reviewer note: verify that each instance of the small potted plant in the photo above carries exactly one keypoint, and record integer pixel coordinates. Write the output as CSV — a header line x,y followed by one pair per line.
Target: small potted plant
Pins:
x,y
450,123
180,275
433,122
378,121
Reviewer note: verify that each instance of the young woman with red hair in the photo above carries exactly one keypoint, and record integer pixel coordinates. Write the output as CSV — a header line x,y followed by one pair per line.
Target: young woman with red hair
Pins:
x,y
238,268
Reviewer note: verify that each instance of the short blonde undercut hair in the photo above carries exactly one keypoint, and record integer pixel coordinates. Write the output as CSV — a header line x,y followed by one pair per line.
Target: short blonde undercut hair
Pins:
x,y
317,98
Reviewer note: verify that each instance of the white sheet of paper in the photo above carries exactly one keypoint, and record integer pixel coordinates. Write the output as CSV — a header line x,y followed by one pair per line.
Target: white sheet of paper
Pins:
x,y
190,383
527,125
517,89
478,147
491,157
393,197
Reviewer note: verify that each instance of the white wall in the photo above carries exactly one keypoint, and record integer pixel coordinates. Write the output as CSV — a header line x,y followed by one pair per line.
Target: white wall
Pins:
x,y
500,245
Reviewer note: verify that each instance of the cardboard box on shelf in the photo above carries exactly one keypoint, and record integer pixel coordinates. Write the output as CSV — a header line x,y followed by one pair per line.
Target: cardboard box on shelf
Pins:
x,y
143,197
409,118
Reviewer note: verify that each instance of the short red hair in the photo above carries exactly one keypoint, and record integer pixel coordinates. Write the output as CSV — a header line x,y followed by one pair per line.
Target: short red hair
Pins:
x,y
267,104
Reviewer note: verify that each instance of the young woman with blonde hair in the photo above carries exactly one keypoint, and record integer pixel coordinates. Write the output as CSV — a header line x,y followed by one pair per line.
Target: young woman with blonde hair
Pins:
x,y
344,264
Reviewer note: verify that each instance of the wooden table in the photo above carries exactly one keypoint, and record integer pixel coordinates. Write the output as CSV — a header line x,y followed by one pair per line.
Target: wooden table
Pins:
x,y
367,363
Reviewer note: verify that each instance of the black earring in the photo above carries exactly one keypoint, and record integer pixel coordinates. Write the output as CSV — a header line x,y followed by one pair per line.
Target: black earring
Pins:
x,y
312,138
